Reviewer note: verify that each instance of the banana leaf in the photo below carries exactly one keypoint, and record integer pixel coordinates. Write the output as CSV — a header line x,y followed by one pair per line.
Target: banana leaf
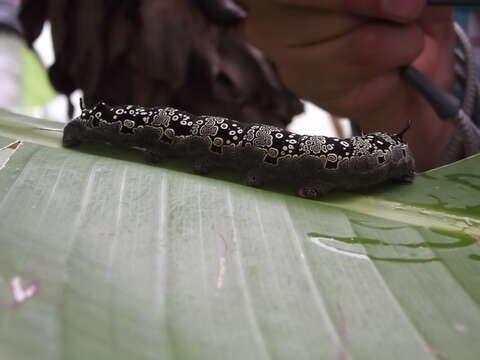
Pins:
x,y
105,257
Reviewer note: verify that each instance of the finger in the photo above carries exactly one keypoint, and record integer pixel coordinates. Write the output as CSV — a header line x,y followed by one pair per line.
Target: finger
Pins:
x,y
437,23
395,10
433,16
297,27
328,71
365,52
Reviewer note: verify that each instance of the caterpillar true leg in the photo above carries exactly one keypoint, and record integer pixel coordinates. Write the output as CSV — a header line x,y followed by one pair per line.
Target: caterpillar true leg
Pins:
x,y
73,137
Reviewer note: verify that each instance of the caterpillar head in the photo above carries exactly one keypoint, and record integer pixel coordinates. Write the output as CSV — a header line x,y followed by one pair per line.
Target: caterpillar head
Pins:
x,y
77,130
91,117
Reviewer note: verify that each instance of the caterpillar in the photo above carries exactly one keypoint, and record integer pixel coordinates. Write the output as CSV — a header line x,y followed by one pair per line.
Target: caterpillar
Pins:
x,y
265,154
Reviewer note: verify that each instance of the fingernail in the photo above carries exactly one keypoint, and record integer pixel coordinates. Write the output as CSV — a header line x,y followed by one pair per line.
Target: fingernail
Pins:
x,y
222,12
402,9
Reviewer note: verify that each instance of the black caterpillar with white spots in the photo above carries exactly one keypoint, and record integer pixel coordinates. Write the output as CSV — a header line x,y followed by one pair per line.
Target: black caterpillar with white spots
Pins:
x,y
266,154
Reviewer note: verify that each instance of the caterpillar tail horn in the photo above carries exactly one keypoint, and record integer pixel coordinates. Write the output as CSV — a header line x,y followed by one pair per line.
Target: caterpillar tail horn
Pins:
x,y
402,133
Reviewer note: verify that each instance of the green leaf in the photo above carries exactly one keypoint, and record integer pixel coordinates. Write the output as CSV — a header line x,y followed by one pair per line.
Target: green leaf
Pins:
x,y
105,257
38,90
25,84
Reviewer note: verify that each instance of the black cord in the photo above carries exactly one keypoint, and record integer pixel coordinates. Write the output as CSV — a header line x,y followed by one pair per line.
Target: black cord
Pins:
x,y
455,2
445,105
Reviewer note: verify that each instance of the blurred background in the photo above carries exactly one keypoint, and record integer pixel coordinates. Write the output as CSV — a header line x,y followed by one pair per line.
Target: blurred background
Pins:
x,y
52,53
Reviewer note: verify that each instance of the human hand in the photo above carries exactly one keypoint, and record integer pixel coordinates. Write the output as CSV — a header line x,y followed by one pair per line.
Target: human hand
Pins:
x,y
344,55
